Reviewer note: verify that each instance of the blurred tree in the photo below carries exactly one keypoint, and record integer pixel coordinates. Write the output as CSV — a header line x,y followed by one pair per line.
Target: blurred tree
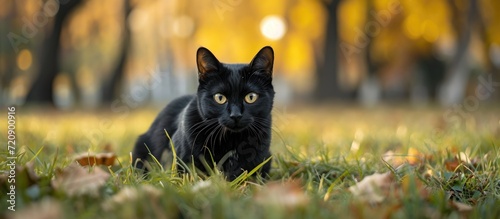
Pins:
x,y
371,66
111,86
433,73
42,90
370,80
457,72
488,41
327,85
7,68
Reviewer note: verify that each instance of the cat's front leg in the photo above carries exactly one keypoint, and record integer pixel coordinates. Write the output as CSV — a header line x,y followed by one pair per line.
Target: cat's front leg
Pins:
x,y
237,164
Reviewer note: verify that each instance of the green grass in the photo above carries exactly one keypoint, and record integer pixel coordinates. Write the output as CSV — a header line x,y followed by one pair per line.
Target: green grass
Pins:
x,y
323,150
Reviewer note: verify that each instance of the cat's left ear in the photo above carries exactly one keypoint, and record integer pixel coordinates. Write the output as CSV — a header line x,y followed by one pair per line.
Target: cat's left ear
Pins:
x,y
264,60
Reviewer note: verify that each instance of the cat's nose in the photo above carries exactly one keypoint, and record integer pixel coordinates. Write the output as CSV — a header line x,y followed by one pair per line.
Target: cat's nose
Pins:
x,y
235,116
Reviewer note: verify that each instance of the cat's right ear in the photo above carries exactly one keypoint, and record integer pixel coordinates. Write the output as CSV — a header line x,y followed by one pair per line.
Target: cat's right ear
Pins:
x,y
264,60
206,62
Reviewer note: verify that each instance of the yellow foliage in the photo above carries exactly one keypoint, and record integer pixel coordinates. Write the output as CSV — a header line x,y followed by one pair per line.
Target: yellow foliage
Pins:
x,y
352,15
308,18
298,53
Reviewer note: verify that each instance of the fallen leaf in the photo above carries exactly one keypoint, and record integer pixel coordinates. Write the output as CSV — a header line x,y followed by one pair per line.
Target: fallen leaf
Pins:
x,y
373,188
414,156
452,164
464,157
76,180
393,159
131,194
45,209
91,159
428,173
461,207
287,194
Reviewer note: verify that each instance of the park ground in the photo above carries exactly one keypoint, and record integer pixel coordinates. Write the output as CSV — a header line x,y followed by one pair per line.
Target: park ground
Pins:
x,y
388,161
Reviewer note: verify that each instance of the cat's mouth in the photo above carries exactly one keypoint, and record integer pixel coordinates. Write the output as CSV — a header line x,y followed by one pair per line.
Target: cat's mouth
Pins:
x,y
235,128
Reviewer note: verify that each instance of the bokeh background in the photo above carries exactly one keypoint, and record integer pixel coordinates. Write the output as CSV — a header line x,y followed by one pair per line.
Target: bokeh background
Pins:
x,y
406,87
90,53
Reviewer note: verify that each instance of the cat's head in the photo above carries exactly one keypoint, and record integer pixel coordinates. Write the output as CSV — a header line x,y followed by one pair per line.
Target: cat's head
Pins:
x,y
238,95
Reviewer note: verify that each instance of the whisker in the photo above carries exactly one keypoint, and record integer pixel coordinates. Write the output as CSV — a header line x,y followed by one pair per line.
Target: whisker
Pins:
x,y
207,126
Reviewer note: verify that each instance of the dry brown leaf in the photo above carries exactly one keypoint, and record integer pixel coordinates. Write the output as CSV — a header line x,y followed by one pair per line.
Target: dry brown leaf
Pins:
x,y
462,158
452,164
45,209
287,194
91,159
76,180
461,207
373,188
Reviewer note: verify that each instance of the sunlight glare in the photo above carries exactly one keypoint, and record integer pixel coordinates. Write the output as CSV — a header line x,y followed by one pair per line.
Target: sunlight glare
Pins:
x,y
273,27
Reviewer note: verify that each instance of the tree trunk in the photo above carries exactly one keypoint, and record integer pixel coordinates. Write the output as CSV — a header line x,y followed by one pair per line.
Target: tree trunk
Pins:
x,y
42,90
453,89
491,68
10,57
369,89
111,87
327,82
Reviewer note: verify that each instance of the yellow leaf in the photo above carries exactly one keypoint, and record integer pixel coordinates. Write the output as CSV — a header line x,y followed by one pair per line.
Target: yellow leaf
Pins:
x,y
414,156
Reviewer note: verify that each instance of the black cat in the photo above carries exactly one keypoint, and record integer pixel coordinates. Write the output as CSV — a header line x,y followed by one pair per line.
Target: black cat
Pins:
x,y
229,117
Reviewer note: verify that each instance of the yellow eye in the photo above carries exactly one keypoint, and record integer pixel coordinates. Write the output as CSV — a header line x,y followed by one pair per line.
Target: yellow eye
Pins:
x,y
251,97
220,99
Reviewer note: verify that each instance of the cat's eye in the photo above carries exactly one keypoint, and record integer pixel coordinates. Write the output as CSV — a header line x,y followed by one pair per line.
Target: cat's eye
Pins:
x,y
251,97
220,99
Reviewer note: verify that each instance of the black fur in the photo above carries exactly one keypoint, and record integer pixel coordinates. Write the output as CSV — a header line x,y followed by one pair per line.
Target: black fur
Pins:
x,y
202,129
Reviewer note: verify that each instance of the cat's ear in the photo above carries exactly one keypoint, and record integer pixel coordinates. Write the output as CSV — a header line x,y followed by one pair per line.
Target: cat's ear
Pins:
x,y
206,61
264,60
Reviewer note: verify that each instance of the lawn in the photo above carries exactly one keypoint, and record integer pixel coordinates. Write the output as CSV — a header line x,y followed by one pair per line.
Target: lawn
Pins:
x,y
328,162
